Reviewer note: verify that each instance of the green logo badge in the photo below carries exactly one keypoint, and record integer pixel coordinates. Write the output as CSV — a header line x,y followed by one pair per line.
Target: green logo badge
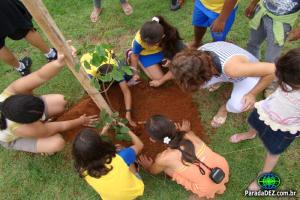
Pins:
x,y
268,181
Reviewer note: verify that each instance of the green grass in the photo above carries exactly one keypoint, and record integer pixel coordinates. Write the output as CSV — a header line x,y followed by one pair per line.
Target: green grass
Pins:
x,y
26,176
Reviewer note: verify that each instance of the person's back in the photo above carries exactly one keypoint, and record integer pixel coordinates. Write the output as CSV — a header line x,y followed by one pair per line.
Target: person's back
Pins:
x,y
189,175
110,173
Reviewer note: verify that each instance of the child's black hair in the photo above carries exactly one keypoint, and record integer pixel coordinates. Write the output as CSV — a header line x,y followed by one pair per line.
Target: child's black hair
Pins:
x,y
91,154
288,70
162,32
159,127
22,109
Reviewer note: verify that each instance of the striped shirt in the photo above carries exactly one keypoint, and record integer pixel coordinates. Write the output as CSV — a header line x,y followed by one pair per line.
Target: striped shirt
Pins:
x,y
225,51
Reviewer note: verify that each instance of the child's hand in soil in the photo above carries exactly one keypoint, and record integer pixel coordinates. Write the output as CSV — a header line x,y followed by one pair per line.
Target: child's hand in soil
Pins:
x,y
155,83
145,161
185,126
88,120
130,121
119,147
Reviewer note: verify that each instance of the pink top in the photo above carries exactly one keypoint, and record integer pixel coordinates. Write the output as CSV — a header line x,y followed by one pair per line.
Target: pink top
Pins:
x,y
281,111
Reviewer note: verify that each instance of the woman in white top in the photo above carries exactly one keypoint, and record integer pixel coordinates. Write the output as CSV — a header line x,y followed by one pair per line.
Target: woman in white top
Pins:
x,y
276,119
23,124
218,62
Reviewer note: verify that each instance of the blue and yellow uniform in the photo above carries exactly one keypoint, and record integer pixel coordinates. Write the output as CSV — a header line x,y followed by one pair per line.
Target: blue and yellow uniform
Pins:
x,y
148,55
110,59
120,183
207,11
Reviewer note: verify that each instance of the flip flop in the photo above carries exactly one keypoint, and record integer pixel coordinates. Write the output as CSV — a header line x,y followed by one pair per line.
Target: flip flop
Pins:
x,y
95,14
127,8
234,138
218,121
214,87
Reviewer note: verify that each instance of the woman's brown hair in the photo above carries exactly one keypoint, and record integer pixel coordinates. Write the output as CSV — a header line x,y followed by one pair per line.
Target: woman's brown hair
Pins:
x,y
288,70
192,68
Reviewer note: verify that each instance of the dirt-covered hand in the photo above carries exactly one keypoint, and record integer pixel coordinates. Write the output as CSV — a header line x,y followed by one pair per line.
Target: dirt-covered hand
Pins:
x,y
185,126
89,120
218,25
145,162
130,121
155,83
248,101
294,34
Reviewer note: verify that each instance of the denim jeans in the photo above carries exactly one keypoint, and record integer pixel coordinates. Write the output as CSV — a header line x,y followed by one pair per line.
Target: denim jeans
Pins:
x,y
265,32
97,3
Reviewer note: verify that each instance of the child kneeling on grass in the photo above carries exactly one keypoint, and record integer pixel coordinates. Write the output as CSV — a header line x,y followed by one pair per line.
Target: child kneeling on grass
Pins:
x,y
23,116
277,118
156,40
112,174
107,67
188,160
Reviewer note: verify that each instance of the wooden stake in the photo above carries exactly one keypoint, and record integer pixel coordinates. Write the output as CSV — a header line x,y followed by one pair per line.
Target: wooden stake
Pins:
x,y
50,29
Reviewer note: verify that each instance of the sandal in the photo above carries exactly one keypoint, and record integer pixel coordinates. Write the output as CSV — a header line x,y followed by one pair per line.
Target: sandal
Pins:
x,y
95,14
127,8
235,139
214,87
218,121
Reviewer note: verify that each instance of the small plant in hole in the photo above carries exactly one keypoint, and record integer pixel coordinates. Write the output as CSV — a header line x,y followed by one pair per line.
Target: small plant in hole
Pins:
x,y
102,60
116,123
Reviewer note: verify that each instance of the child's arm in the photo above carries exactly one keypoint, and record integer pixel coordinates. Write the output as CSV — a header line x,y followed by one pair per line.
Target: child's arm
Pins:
x,y
294,34
251,8
26,84
156,83
150,166
127,100
39,129
219,24
137,143
239,66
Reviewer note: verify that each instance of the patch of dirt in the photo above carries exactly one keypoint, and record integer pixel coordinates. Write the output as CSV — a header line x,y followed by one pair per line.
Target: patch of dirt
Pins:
x,y
168,100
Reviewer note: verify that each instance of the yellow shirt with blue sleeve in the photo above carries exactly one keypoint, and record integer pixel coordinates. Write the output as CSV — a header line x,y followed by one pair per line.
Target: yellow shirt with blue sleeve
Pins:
x,y
8,135
120,183
148,54
214,5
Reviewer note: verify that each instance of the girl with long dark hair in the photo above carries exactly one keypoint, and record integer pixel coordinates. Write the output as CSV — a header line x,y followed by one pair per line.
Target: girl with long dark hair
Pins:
x,y
188,160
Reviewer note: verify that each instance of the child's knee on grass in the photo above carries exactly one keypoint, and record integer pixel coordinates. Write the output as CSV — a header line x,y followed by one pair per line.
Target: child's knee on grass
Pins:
x,y
51,144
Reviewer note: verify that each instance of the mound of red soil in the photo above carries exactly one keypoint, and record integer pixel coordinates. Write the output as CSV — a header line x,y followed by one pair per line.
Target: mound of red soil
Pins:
x,y
168,100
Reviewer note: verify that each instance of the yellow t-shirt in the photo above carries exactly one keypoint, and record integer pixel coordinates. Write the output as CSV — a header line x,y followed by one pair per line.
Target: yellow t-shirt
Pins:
x,y
119,184
7,135
93,70
214,5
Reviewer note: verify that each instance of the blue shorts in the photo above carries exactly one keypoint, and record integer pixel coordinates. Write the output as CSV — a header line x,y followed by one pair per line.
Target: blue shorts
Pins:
x,y
276,142
151,59
203,17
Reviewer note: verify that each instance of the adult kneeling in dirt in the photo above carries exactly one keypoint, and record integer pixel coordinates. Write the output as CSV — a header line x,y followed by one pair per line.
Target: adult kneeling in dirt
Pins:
x,y
218,62
23,119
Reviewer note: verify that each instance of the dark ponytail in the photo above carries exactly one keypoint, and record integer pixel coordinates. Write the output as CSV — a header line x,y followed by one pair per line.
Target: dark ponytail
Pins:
x,y
23,109
164,130
172,42
3,124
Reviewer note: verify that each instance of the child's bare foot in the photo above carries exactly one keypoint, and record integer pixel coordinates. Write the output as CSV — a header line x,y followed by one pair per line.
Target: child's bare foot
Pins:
x,y
236,138
127,8
220,118
95,14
